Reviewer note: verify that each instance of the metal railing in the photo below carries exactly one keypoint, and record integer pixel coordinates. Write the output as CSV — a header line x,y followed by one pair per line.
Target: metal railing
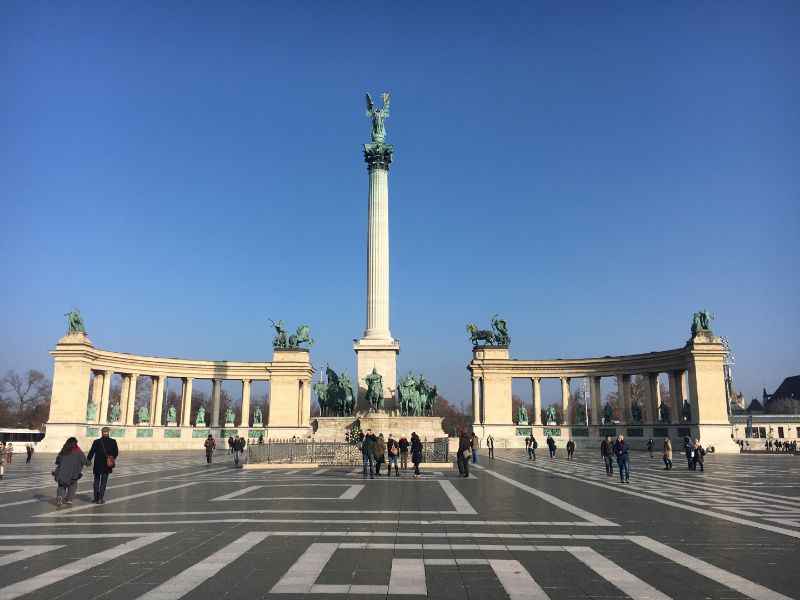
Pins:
x,y
329,453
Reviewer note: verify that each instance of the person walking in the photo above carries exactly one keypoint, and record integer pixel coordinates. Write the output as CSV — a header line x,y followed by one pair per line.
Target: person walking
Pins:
x,y
570,449
380,454
463,454
403,444
368,452
532,448
210,445
106,451
650,445
528,446
230,445
416,453
2,459
688,448
551,445
667,454
607,452
490,445
9,452
29,450
392,450
474,445
69,468
699,453
621,451
238,449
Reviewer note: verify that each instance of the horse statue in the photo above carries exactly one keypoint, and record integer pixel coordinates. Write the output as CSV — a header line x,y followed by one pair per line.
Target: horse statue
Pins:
x,y
406,394
374,396
321,390
476,335
280,340
299,337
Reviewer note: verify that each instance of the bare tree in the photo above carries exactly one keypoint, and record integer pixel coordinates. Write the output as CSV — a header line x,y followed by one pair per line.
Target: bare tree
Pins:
x,y
27,394
455,418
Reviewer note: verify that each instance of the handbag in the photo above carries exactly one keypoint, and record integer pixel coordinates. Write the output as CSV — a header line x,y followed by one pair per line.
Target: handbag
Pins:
x,y
110,462
394,450
466,453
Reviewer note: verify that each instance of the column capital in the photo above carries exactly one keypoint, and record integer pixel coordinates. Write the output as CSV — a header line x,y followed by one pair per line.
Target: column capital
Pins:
x,y
536,378
378,156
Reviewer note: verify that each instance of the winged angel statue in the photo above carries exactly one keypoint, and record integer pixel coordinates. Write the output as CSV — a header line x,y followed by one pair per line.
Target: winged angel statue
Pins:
x,y
378,115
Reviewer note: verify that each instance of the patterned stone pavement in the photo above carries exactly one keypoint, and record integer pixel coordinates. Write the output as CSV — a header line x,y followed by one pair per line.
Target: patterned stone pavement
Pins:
x,y
173,527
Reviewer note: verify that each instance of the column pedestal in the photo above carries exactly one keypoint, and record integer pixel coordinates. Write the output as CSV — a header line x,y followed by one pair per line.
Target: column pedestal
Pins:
x,y
382,355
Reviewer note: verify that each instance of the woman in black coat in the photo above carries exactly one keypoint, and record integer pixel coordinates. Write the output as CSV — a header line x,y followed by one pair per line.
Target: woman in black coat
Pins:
x,y
416,453
69,468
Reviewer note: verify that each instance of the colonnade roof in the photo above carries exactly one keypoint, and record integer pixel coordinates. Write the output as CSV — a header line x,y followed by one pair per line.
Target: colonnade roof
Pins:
x,y
605,366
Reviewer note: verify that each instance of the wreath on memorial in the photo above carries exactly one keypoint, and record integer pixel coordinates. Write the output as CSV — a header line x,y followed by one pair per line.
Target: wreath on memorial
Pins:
x,y
353,434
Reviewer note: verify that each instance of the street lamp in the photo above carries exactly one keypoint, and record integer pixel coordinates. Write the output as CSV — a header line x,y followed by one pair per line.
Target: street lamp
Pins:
x,y
584,395
727,362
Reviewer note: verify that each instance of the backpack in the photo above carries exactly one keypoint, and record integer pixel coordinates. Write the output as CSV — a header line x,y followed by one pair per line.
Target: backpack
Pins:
x,y
535,444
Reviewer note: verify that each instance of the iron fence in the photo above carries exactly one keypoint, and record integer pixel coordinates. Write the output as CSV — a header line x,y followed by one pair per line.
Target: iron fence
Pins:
x,y
329,453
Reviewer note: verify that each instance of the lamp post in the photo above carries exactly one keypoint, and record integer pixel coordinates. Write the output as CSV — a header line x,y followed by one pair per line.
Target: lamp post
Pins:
x,y
727,362
584,395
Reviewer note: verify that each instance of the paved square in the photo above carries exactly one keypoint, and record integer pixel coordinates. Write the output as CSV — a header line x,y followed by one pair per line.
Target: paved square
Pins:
x,y
173,527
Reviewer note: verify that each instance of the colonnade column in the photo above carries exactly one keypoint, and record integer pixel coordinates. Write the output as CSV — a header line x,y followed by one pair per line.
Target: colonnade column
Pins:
x,y
676,396
216,390
536,383
476,400
97,391
186,402
597,401
624,397
153,392
565,408
130,404
123,396
651,397
103,408
158,410
245,421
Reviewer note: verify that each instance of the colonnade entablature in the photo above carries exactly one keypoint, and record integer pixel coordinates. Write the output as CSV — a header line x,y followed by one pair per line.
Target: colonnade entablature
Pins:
x,y
77,363
695,374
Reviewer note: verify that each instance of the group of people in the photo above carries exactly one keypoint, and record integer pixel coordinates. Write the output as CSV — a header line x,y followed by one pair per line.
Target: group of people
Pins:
x,y
468,445
617,450
71,460
375,450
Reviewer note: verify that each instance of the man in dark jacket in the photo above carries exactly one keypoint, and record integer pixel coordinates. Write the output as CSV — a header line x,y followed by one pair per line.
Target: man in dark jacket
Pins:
x,y
368,452
104,448
607,453
464,453
623,460
403,445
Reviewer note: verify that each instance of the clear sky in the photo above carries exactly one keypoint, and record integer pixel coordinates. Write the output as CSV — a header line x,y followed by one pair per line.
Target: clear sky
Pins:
x,y
595,172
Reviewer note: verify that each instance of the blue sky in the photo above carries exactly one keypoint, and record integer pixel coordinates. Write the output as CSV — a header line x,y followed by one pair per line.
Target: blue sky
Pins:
x,y
595,172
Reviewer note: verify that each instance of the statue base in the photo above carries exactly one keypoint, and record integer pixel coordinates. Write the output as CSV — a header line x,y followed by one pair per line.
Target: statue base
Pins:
x,y
258,424
174,424
334,428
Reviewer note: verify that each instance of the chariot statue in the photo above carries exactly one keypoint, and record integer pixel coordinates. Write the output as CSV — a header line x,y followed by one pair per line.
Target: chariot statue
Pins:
x,y
497,336
282,340
702,321
75,322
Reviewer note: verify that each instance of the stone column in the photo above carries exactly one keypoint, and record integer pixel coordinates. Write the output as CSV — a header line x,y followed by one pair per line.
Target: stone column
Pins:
x,y
537,400
624,398
130,407
565,408
675,396
153,395
158,410
378,160
216,390
186,402
597,401
651,397
103,409
245,421
476,400
123,397
97,391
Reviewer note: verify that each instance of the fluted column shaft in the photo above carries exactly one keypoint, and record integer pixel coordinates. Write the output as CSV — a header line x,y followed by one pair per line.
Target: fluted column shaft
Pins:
x,y
597,401
476,401
378,256
245,421
536,385
103,408
186,402
155,418
651,397
565,415
130,405
216,392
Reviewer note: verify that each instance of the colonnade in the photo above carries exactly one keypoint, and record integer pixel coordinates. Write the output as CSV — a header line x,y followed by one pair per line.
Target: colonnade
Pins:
x,y
101,392
694,373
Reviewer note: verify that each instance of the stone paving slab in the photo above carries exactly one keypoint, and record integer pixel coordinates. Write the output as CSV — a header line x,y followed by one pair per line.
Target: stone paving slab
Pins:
x,y
173,527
